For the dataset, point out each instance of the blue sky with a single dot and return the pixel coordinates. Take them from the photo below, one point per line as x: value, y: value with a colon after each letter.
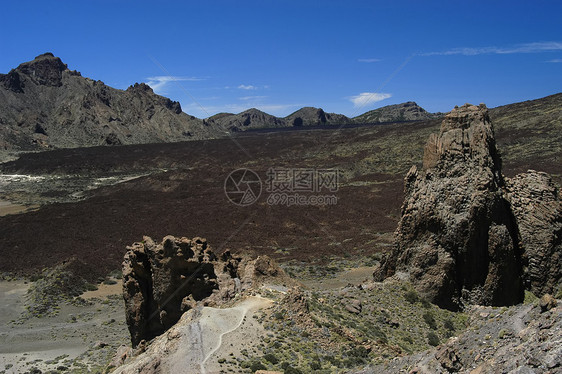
x: 346, y: 57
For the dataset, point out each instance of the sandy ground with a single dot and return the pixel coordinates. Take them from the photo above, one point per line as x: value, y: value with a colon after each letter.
x: 105, y: 290
x: 7, y: 207
x: 66, y: 340
x: 342, y: 279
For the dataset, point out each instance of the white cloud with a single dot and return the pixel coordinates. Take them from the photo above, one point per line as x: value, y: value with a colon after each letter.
x: 367, y: 98
x: 159, y: 83
x: 248, y: 98
x: 556, y: 60
x: 273, y: 109
x: 368, y: 60
x: 247, y: 87
x: 536, y: 47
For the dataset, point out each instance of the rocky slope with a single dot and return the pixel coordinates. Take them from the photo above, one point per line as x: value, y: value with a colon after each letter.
x: 459, y: 237
x: 521, y: 339
x: 256, y: 119
x: 45, y: 105
x: 530, y: 134
x: 249, y: 119
x: 309, y: 116
x: 409, y: 111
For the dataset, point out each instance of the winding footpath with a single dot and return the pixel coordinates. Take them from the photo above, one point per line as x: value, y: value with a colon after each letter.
x: 250, y: 304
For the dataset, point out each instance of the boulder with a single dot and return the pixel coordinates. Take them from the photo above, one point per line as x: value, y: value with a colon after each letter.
x: 547, y: 302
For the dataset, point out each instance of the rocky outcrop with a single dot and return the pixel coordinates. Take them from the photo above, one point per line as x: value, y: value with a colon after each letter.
x: 457, y: 237
x: 409, y: 111
x: 163, y: 280
x: 537, y: 206
x: 74, y: 111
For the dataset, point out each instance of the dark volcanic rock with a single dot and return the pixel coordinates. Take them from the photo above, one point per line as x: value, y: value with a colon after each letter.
x: 537, y: 206
x: 457, y: 237
x: 162, y: 281
x: 45, y: 70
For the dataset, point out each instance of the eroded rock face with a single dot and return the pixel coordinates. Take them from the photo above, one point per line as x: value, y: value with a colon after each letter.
x: 457, y: 237
x: 537, y: 206
x: 163, y: 280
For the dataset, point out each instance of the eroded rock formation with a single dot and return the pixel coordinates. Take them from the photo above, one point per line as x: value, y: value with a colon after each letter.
x: 469, y: 235
x: 537, y: 206
x: 457, y: 237
x: 163, y: 280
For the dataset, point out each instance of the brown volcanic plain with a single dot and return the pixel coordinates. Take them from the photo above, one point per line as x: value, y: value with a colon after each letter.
x: 182, y: 192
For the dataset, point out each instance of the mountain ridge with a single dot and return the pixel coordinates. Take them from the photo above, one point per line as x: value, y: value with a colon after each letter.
x: 45, y: 105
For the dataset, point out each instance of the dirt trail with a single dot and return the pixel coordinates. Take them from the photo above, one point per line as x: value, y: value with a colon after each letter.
x: 199, y: 339
x: 242, y: 310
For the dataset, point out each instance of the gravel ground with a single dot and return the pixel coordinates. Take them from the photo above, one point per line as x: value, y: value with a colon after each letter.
x: 80, y: 338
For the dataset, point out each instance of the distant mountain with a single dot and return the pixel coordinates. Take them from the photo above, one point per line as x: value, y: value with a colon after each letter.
x: 249, y: 119
x: 45, y: 105
x: 256, y: 119
x: 310, y: 116
x: 409, y: 111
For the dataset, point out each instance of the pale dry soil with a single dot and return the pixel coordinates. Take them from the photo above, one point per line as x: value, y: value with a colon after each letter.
x: 69, y: 341
x: 203, y: 337
x: 7, y: 207
x: 356, y: 275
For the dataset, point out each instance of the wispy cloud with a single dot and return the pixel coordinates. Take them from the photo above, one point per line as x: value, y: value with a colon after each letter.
x: 555, y: 61
x: 536, y: 47
x: 367, y: 98
x: 159, y: 83
x: 369, y: 60
x: 248, y: 98
x: 274, y: 109
x: 247, y: 87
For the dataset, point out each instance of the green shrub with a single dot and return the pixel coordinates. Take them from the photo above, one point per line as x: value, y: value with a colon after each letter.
x: 291, y: 370
x: 430, y: 320
x: 411, y: 296
x: 315, y: 365
x: 448, y: 325
x: 529, y: 298
x: 256, y: 365
x: 432, y: 339
x: 271, y: 358
x: 425, y: 303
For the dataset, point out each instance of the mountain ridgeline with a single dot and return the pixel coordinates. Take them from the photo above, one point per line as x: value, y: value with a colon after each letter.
x: 44, y: 105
